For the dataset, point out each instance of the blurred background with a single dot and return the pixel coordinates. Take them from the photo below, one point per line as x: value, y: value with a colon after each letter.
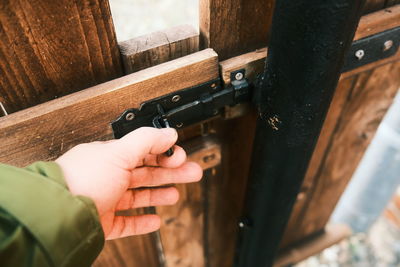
x: 371, y: 202
x: 133, y: 18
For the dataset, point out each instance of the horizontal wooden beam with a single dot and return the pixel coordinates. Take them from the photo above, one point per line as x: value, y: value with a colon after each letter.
x: 333, y: 234
x: 378, y: 21
x: 45, y: 131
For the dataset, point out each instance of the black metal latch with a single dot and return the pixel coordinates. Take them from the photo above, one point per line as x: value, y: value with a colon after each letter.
x: 198, y: 103
x: 186, y: 107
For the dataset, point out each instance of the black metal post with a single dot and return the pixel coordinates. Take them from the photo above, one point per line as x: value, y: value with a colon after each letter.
x: 306, y: 51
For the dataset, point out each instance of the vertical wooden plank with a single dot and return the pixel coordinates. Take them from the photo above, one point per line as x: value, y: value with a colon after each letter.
x: 355, y: 114
x: 137, y: 54
x: 158, y: 47
x: 183, y: 225
x: 51, y: 48
x: 232, y: 27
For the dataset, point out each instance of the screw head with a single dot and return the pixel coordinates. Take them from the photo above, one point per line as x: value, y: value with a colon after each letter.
x: 130, y: 116
x: 214, y: 86
x: 359, y: 54
x: 215, y: 111
x: 239, y: 76
x: 179, y: 125
x: 176, y: 98
x: 387, y: 45
x: 241, y: 224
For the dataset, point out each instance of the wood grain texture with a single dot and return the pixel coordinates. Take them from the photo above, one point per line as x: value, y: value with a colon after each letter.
x: 45, y: 131
x: 183, y: 227
x: 137, y: 54
x: 233, y: 27
x: 226, y: 190
x: 358, y: 107
x: 159, y: 47
x: 52, y: 48
x: 134, y: 251
x: 378, y: 22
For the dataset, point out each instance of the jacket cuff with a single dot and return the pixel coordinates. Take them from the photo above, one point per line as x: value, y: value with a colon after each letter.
x: 66, y: 226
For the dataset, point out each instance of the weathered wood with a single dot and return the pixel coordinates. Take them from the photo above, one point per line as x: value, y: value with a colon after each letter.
x: 45, y: 131
x: 332, y: 234
x: 137, y: 54
x: 252, y: 62
x: 52, y: 48
x: 318, y: 186
x: 134, y: 251
x: 355, y: 113
x: 233, y: 27
x: 369, y: 25
x: 158, y: 47
x: 182, y: 229
x: 378, y: 22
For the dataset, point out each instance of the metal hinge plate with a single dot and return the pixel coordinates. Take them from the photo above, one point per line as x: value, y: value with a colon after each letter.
x: 372, y: 48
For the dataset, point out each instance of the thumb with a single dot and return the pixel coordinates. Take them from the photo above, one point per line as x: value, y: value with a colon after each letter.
x: 143, y: 141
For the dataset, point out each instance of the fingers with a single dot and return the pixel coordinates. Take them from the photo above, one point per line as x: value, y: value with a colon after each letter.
x: 134, y: 146
x: 124, y: 226
x: 174, y: 161
x: 148, y: 197
x: 154, y: 176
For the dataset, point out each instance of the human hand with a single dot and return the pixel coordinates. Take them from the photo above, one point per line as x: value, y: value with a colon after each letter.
x: 113, y: 175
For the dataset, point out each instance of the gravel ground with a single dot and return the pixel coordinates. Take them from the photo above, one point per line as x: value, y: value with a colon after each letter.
x: 379, y: 247
x: 134, y: 18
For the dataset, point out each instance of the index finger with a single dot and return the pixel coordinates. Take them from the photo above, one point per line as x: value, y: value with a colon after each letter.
x: 135, y: 146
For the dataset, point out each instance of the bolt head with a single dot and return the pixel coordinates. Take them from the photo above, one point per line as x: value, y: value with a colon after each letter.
x: 387, y: 45
x: 130, y: 116
x: 359, y: 54
x: 239, y: 76
x: 179, y: 125
x: 176, y: 98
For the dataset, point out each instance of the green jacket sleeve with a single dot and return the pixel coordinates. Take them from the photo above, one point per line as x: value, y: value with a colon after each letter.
x: 42, y: 223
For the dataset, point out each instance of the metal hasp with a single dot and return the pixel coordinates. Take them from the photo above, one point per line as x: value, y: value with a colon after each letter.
x: 185, y: 107
x: 308, y: 44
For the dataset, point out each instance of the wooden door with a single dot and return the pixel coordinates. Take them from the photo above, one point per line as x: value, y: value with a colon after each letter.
x: 201, y: 229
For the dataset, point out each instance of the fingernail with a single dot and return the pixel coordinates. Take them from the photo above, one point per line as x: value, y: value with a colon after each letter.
x: 171, y: 132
